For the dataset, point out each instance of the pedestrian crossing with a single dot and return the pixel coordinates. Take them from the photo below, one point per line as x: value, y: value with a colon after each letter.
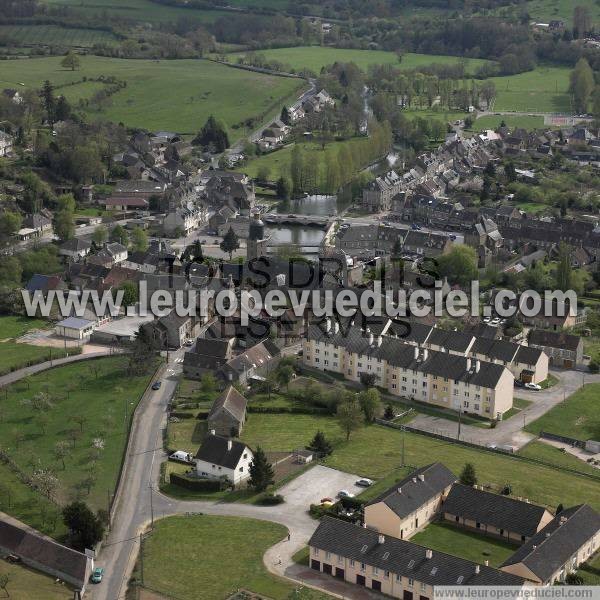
x: 178, y: 360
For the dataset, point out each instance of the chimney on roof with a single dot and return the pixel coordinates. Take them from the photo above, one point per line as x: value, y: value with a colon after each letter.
x: 421, y: 477
x: 379, y: 340
x: 428, y: 554
x: 336, y: 327
x: 468, y: 364
x: 414, y: 480
x: 399, y: 490
x: 486, y: 562
x: 425, y: 354
x: 477, y: 365
x: 371, y: 339
x: 212, y: 432
x: 477, y: 569
x: 416, y: 352
x: 381, y: 539
x: 328, y: 325
x: 229, y: 445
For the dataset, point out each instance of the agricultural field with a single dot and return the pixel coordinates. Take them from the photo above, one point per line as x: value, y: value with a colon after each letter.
x: 85, y: 407
x: 494, y: 121
x: 316, y: 57
x: 53, y: 35
x: 476, y: 547
x: 139, y: 10
x: 176, y: 95
x: 545, y: 89
x: 220, y: 572
x: 577, y: 417
x: 544, y: 11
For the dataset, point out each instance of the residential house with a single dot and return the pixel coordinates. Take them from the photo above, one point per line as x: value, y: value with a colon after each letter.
x: 182, y: 221
x: 565, y: 350
x: 571, y: 538
x: 75, y: 249
x: 172, y: 330
x: 410, y: 504
x: 395, y: 567
x: 494, y: 514
x: 207, y: 355
x: 75, y: 328
x: 41, y: 553
x: 45, y: 283
x: 222, y: 457
x: 253, y: 364
x: 40, y: 223
x: 228, y: 413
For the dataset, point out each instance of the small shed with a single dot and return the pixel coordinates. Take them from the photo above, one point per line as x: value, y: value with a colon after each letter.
x: 74, y: 328
x: 303, y: 457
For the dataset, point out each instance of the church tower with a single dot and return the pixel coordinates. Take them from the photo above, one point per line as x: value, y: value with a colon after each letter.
x: 257, y: 243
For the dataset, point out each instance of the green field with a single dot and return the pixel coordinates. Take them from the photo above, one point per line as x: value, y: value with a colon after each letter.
x: 547, y: 10
x: 168, y: 94
x: 316, y: 57
x: 577, y: 417
x: 376, y: 452
x: 103, y: 394
x: 177, y: 564
x: 53, y: 35
x: 13, y: 327
x: 545, y: 89
x: 551, y: 454
x: 448, y: 539
x: 494, y: 121
x: 27, y: 584
x: 144, y: 11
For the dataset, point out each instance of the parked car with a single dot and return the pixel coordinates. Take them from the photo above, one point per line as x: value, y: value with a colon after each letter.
x: 519, y: 383
x: 97, y: 575
x: 415, y: 227
x: 181, y: 456
x: 533, y: 386
x: 156, y: 385
x: 326, y: 501
x: 189, y: 342
x: 486, y: 320
x: 364, y: 482
x: 345, y: 494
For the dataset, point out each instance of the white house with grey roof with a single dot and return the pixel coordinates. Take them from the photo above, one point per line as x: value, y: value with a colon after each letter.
x: 75, y: 328
x: 222, y: 457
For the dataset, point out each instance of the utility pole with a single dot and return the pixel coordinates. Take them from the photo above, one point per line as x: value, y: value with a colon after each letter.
x: 141, y: 559
x: 151, y: 506
x: 459, y: 422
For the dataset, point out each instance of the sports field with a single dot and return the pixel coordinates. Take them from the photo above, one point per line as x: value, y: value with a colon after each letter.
x: 316, y: 57
x: 177, y: 95
x: 53, y: 35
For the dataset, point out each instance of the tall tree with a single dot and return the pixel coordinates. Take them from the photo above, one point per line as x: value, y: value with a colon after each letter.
x: 230, y: 243
x: 139, y: 239
x: 370, y: 403
x: 320, y: 444
x: 297, y: 169
x: 582, y: 21
x: 261, y: 471
x: 64, y: 217
x: 48, y: 101
x: 213, y: 134
x: 85, y: 528
x: 349, y: 415
x: 564, y: 271
x: 468, y: 475
x: 100, y: 235
x: 582, y: 85
x: 70, y: 61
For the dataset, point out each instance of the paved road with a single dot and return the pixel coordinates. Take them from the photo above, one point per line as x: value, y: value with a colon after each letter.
x: 510, y: 432
x: 21, y: 373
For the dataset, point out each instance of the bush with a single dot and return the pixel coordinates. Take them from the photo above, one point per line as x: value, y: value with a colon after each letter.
x: 296, y: 410
x: 181, y: 415
x: 198, y: 485
x: 594, y: 366
x: 270, y: 499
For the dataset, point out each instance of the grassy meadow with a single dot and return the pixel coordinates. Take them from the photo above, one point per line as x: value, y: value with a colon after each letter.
x: 54, y: 35
x: 235, y: 560
x: 26, y: 584
x: 316, y: 57
x: 90, y: 406
x: 175, y: 95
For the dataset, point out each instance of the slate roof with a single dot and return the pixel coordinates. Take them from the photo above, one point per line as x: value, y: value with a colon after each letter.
x: 231, y: 401
x: 411, y: 493
x: 208, y: 353
x: 44, y: 283
x: 76, y: 245
x: 554, y: 339
x: 555, y: 544
x: 403, y: 557
x: 495, y: 349
x: 493, y: 509
x: 450, y: 340
x: 215, y: 450
x: 528, y: 355
x: 75, y: 323
x: 29, y: 546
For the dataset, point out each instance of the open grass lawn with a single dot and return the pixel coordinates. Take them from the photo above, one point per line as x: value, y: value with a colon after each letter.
x: 176, y: 561
x: 551, y: 454
x: 545, y: 89
x: 144, y: 11
x: 175, y: 95
x: 104, y: 395
x: 316, y: 57
x: 13, y: 327
x: 376, y: 452
x: 27, y: 584
x: 548, y: 10
x: 493, y: 122
x: 466, y: 544
x: 591, y: 571
x: 577, y: 417
x: 15, y: 356
x: 53, y: 35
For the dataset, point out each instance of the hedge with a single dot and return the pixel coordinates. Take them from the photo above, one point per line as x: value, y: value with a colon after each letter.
x: 198, y: 485
x: 295, y: 410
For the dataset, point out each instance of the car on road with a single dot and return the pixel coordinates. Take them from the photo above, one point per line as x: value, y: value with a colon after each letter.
x: 345, y: 494
x: 495, y: 322
x: 97, y: 575
x: 364, y: 482
x: 519, y: 383
x: 156, y: 385
x: 533, y: 386
x: 189, y: 342
x: 486, y: 320
x: 327, y: 500
x: 415, y: 227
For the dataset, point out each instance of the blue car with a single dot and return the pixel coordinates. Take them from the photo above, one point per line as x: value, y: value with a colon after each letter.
x: 97, y: 575
x: 156, y: 385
